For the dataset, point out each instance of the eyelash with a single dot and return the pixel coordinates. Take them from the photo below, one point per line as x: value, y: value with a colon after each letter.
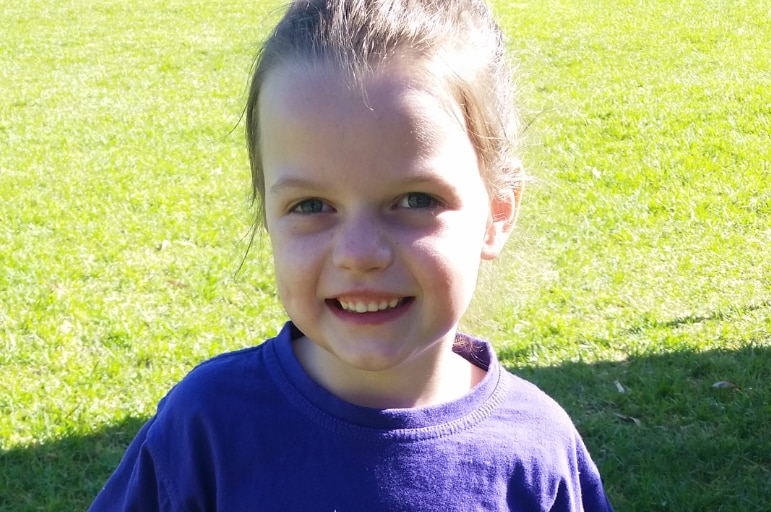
x: 434, y: 203
x: 298, y: 208
x: 314, y: 205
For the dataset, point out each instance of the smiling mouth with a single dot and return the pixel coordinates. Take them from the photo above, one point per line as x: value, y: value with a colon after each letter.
x: 372, y: 306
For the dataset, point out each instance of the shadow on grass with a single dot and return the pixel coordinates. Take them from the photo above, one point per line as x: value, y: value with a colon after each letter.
x: 665, y: 439
x: 63, y: 475
x: 681, y: 431
x: 650, y: 322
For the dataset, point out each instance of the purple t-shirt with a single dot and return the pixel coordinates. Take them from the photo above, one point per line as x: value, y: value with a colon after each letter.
x: 250, y: 430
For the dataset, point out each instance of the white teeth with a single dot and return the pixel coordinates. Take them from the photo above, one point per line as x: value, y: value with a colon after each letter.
x: 369, y: 307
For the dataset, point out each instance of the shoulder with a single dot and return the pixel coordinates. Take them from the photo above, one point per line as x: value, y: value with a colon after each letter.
x: 170, y: 456
x: 531, y: 398
x: 226, y: 388
x: 516, y: 399
x: 521, y: 408
x: 545, y: 440
x: 220, y: 387
x: 225, y: 369
x: 529, y: 405
x: 531, y: 426
x: 199, y: 424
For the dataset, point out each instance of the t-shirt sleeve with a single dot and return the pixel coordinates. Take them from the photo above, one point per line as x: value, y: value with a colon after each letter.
x: 592, y: 492
x: 588, y: 490
x: 134, y: 486
x: 561, y: 474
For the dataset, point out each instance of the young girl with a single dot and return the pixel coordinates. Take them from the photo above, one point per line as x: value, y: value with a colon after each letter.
x: 380, y: 135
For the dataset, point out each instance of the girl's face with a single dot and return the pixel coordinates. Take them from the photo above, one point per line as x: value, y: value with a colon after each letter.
x: 377, y: 215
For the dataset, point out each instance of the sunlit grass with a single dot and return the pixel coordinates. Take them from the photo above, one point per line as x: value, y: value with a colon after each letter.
x: 124, y: 212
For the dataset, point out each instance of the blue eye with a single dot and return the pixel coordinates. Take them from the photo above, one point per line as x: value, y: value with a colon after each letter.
x: 309, y: 206
x: 417, y: 200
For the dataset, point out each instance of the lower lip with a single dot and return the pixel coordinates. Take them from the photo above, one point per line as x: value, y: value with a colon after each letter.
x: 370, y: 317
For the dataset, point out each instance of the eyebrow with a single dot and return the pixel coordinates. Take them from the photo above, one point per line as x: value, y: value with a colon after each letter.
x: 293, y: 183
x: 296, y: 183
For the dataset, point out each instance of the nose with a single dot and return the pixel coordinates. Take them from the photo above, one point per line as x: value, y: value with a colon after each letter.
x: 361, y: 244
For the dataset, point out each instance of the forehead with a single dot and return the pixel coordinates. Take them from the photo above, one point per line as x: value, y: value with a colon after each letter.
x: 396, y: 89
x: 393, y: 129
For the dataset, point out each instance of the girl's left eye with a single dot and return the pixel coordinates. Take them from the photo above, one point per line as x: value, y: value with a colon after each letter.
x: 417, y: 200
x: 309, y: 206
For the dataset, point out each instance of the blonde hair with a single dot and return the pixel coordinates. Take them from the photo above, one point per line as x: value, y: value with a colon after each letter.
x: 359, y: 36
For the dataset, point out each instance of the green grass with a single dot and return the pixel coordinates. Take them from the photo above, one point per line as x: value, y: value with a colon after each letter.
x: 641, y: 263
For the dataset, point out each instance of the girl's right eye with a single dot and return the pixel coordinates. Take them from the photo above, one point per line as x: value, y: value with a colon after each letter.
x: 417, y: 200
x: 309, y: 206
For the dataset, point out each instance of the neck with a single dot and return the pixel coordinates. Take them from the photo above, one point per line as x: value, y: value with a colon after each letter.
x: 438, y: 375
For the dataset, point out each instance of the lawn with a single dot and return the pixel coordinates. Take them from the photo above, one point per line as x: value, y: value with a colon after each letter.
x: 636, y: 290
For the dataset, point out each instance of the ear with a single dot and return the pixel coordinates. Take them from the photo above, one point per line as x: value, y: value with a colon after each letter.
x: 503, y: 216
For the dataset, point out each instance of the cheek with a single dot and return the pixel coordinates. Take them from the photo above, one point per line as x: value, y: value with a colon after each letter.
x: 283, y: 275
x: 451, y: 261
x: 463, y: 235
x: 296, y: 261
x: 461, y: 250
x: 286, y: 265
